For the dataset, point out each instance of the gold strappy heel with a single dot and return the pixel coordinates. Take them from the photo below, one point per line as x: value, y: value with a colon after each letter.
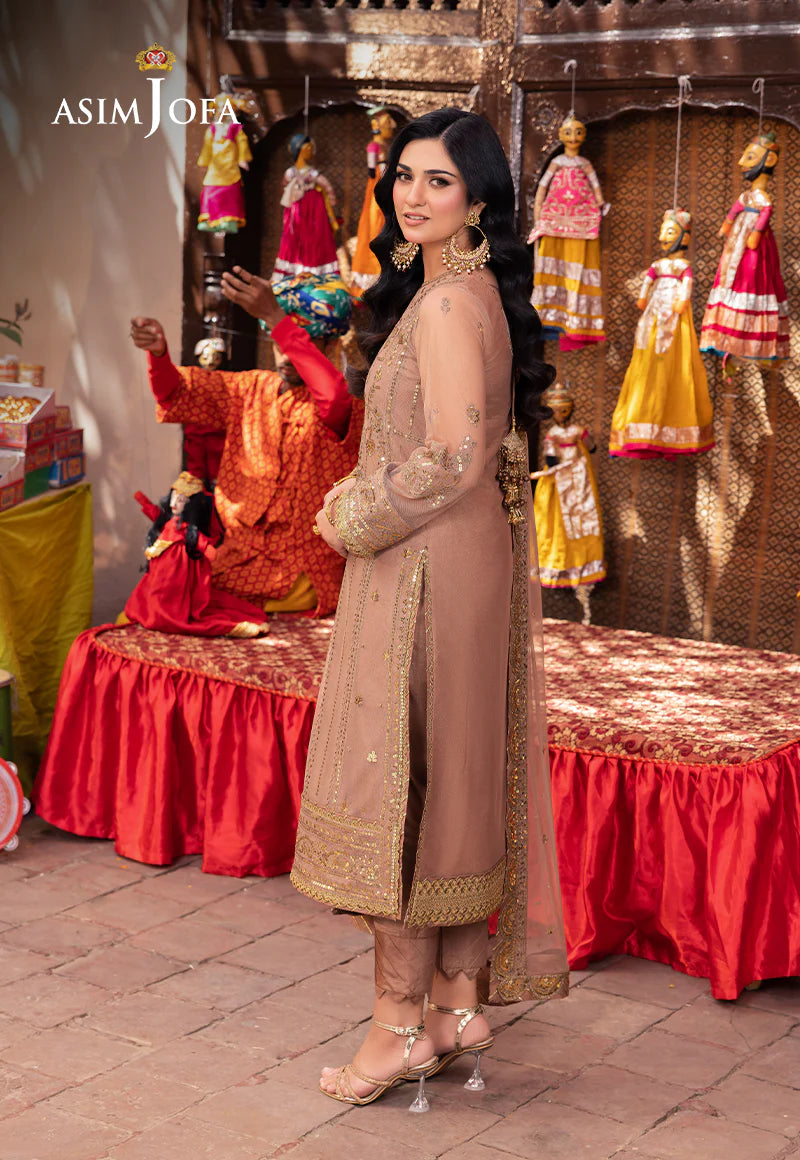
x: 475, y: 1083
x: 419, y: 1072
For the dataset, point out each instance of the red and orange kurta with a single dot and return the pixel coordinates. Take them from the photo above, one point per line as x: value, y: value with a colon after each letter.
x: 281, y: 455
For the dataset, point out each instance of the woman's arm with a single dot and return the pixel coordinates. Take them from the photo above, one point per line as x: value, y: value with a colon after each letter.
x: 384, y: 508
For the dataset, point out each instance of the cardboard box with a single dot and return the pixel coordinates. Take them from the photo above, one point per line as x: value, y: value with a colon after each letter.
x: 66, y: 471
x: 42, y: 423
x: 37, y: 481
x: 38, y: 455
x: 67, y: 443
x: 63, y: 418
x: 12, y: 479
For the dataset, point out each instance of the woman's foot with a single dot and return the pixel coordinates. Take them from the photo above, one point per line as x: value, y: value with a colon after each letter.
x: 441, y: 1028
x: 380, y: 1056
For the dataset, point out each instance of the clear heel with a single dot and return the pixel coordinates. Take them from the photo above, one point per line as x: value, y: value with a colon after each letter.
x: 420, y: 1103
x: 475, y: 1082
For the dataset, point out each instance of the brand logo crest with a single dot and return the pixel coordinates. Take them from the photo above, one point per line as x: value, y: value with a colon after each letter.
x: 156, y: 56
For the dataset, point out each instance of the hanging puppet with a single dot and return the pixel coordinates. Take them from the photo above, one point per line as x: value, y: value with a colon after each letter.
x: 747, y: 314
x: 567, y: 212
x: 664, y: 408
x: 308, y: 243
x: 366, y: 267
x: 569, y: 528
x: 175, y: 593
x: 225, y: 153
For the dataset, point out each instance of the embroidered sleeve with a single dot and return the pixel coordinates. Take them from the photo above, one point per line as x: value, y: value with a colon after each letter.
x: 685, y: 285
x: 399, y: 498
x: 649, y: 279
x: 735, y: 210
x: 549, y: 174
x: 243, y: 147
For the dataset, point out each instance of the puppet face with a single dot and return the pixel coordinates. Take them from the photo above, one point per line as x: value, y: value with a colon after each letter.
x: 306, y: 154
x: 752, y: 158
x: 383, y: 125
x: 430, y: 196
x: 209, y: 356
x: 177, y: 502
x: 669, y: 235
x: 562, y: 411
x: 572, y: 133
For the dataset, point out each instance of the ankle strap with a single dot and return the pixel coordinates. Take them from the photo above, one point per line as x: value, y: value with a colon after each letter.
x: 467, y: 1014
x: 412, y: 1033
x: 477, y: 1010
x: 418, y: 1032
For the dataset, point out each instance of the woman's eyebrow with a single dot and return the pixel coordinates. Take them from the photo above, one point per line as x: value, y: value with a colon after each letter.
x: 427, y: 172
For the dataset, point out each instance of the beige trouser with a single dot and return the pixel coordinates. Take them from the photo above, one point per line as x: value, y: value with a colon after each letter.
x: 407, y: 957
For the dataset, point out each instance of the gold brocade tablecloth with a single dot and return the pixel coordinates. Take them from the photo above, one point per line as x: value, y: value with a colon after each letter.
x: 46, y: 588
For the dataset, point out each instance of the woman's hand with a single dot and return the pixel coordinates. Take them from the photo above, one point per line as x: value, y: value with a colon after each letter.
x: 326, y: 528
x: 148, y: 334
x: 253, y: 294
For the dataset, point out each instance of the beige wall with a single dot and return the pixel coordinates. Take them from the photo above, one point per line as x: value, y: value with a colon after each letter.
x: 91, y: 232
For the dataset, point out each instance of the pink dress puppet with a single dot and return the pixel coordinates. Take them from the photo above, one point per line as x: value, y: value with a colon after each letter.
x: 747, y: 314
x: 175, y: 593
x: 225, y: 153
x: 308, y: 243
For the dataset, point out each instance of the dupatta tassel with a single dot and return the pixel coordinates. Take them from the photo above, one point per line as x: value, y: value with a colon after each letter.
x: 512, y: 473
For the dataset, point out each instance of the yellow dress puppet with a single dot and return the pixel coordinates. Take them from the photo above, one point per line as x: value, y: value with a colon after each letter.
x: 664, y: 408
x: 566, y: 507
x: 225, y: 153
x: 567, y: 290
x: 366, y: 267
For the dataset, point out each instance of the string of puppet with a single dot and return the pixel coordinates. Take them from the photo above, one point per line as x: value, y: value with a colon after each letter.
x: 758, y: 87
x: 684, y: 89
x: 571, y: 66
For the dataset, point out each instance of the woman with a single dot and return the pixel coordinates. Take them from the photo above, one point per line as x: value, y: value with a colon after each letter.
x: 414, y: 812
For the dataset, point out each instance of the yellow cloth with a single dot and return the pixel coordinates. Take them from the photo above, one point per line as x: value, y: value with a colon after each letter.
x: 567, y: 292
x: 565, y: 562
x: 223, y: 157
x: 664, y: 404
x: 366, y: 267
x: 301, y: 597
x: 46, y: 588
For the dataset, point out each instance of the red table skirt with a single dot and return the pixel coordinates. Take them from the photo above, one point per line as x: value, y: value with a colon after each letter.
x: 169, y: 762
x: 176, y: 746
x: 696, y: 866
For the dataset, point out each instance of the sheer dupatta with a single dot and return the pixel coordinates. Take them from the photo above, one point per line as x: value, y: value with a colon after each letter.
x: 528, y: 958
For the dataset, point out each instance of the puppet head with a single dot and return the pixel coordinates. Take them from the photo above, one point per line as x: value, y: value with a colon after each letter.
x: 301, y: 149
x: 209, y: 352
x: 572, y: 134
x: 676, y: 229
x: 561, y: 402
x: 381, y: 122
x: 760, y: 156
x: 184, y: 487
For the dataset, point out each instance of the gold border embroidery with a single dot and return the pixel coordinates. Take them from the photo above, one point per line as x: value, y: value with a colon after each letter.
x: 455, y: 901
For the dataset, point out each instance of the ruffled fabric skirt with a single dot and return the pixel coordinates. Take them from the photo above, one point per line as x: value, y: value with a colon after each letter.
x: 664, y: 408
x: 750, y: 319
x: 567, y: 290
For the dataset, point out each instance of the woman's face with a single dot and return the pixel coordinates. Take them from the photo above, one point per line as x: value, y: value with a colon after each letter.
x: 430, y: 197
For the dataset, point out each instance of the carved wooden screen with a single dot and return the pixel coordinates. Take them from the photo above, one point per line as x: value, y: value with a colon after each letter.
x: 707, y: 546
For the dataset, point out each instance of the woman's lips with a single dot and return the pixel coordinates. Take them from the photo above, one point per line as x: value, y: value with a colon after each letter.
x: 414, y: 219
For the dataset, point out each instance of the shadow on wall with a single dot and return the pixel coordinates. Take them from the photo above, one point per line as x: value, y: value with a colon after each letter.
x: 91, y: 233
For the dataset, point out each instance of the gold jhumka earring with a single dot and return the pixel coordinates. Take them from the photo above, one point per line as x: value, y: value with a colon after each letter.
x: 465, y: 261
x: 403, y: 254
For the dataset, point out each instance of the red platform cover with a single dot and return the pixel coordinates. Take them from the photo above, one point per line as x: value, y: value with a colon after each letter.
x: 675, y: 766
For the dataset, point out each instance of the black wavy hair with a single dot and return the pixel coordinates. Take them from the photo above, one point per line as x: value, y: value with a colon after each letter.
x: 196, y: 515
x: 478, y: 155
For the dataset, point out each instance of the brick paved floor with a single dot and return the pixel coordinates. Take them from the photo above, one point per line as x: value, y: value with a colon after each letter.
x: 166, y: 1014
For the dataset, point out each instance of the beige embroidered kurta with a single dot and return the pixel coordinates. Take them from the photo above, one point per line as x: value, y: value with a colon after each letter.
x: 428, y: 537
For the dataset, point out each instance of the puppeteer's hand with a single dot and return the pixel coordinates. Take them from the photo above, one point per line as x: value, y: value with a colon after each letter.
x: 148, y: 334
x: 253, y: 294
x: 753, y: 239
